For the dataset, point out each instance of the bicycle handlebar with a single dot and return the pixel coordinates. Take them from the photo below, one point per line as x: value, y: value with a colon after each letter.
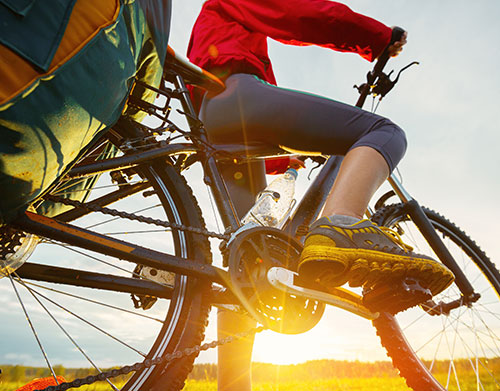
x: 371, y: 77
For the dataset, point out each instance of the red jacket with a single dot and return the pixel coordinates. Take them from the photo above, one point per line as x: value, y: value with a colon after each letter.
x: 229, y: 36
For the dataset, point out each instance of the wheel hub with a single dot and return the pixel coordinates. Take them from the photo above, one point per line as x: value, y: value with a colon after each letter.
x: 250, y: 256
x: 15, y: 248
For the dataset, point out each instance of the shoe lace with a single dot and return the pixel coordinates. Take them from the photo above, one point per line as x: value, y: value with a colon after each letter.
x: 396, y: 238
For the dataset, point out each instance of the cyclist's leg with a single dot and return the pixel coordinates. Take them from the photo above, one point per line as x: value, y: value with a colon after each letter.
x: 252, y: 110
x: 361, y: 173
x: 373, y: 145
x: 336, y: 247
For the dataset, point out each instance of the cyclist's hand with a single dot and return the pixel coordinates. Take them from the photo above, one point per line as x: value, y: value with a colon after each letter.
x: 397, y: 46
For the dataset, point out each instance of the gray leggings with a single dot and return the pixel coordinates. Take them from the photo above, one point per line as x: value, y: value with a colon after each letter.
x: 253, y: 110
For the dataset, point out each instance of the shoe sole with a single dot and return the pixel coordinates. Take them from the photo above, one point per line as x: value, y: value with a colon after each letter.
x: 335, y: 266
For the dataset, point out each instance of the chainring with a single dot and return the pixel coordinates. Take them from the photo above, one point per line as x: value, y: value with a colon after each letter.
x: 250, y: 255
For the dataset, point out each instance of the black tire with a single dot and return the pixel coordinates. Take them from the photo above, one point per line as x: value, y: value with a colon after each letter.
x: 446, y: 352
x: 179, y: 321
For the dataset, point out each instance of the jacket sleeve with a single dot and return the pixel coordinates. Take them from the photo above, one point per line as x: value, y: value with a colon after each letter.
x: 312, y: 22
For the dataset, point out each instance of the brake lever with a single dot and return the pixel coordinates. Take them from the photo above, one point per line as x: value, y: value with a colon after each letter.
x: 384, y: 83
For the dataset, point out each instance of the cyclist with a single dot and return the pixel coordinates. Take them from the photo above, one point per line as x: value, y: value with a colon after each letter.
x: 229, y: 39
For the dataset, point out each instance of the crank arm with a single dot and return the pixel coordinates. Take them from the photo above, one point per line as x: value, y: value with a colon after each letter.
x: 284, y: 280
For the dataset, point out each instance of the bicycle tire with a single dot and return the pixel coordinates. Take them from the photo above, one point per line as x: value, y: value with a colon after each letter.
x: 445, y: 352
x: 190, y: 328
x: 186, y: 314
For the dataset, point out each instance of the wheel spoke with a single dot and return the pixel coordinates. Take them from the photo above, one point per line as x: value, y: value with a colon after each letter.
x: 35, y: 293
x: 67, y: 185
x: 94, y: 301
x: 133, y: 273
x: 424, y: 314
x: 97, y: 188
x: 437, y: 334
x: 487, y: 312
x: 32, y: 327
x: 451, y: 352
x: 63, y: 329
x: 441, y: 334
x: 475, y: 354
x: 491, y: 333
x: 136, y: 232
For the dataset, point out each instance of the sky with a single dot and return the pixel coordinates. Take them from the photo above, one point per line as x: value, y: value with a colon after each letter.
x: 448, y: 108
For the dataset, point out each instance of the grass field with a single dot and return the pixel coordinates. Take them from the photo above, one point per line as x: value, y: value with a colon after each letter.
x: 315, y: 385
x: 318, y: 385
x: 341, y: 384
x: 318, y: 375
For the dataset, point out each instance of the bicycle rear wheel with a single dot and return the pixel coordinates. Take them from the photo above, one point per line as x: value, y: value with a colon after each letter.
x: 73, y: 326
x: 439, y: 349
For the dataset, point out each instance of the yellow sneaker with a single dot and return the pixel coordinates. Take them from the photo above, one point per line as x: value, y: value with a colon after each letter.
x: 364, y: 254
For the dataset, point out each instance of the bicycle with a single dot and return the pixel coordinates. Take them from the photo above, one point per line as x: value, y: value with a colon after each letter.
x: 173, y: 278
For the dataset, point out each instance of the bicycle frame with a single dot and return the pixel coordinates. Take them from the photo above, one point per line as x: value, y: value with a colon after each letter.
x: 306, y: 212
x: 314, y: 200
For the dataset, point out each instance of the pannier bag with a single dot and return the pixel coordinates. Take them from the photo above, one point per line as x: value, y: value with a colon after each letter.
x: 67, y: 67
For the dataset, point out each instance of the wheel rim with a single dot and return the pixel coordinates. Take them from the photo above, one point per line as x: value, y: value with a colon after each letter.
x: 162, y: 342
x: 461, y: 349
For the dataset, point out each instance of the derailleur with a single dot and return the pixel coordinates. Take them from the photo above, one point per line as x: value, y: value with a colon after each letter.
x: 162, y: 277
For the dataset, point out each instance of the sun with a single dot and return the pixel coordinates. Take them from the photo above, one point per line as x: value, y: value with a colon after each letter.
x: 338, y: 336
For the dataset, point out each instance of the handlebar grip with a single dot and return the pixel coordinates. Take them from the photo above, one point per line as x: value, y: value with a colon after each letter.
x: 397, y: 34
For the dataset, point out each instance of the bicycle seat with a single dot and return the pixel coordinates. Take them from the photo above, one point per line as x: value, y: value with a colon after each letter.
x: 191, y: 73
x: 251, y: 150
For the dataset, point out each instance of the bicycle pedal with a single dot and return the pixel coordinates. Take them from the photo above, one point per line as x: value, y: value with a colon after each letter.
x: 396, y: 296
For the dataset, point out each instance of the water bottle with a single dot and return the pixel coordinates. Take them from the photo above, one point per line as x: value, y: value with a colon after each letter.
x: 274, y: 202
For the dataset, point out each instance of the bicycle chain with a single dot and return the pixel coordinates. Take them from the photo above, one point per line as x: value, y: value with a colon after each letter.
x: 131, y: 216
x: 170, y: 356
x: 167, y: 358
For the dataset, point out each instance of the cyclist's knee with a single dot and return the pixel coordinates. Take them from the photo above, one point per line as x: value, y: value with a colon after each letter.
x: 399, y: 138
x: 389, y: 139
x: 396, y: 144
